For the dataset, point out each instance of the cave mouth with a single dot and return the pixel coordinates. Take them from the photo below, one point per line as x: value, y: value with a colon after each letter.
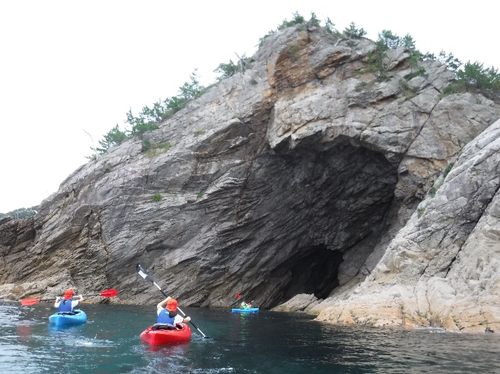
x: 316, y: 272
x: 328, y: 205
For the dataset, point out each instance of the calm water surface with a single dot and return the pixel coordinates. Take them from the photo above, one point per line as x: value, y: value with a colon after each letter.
x: 268, y: 342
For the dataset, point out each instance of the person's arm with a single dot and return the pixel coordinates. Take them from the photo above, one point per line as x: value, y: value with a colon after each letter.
x: 161, y: 305
x: 74, y: 303
x: 178, y: 319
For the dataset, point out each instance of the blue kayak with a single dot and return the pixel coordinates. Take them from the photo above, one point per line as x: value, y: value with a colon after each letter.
x: 68, y: 318
x: 247, y: 310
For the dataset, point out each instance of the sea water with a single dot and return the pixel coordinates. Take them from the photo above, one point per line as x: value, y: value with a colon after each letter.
x: 267, y: 342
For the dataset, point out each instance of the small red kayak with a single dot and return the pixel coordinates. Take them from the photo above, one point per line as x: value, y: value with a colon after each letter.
x: 157, y: 336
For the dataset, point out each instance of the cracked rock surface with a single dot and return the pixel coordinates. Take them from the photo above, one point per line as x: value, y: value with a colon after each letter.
x: 303, y: 183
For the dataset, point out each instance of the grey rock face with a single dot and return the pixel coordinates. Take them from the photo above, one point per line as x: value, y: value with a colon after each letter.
x: 295, y: 177
x: 441, y: 268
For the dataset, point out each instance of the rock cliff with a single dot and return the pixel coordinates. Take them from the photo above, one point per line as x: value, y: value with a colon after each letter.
x: 306, y: 176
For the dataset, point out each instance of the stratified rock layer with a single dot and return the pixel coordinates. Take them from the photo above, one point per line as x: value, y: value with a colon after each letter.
x: 303, y: 175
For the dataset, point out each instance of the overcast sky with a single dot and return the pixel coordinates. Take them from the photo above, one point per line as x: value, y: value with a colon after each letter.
x: 71, y: 70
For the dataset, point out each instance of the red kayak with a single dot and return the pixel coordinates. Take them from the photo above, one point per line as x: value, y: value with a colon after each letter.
x: 157, y: 336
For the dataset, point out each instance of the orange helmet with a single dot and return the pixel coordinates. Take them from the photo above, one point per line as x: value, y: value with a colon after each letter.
x: 172, y: 305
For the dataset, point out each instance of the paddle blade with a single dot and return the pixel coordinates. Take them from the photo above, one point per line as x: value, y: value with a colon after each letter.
x: 143, y: 273
x: 109, y: 293
x: 30, y: 301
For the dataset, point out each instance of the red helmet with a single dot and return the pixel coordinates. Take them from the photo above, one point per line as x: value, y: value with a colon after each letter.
x: 68, y: 294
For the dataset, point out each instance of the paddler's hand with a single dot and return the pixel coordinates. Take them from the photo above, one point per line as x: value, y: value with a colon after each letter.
x: 187, y: 319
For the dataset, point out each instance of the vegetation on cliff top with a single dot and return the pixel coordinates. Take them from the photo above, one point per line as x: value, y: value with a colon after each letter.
x: 21, y: 212
x: 473, y: 77
x: 149, y: 117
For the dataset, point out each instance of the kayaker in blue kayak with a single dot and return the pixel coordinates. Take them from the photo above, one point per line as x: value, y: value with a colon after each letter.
x: 245, y: 305
x: 67, y: 304
x: 167, y: 313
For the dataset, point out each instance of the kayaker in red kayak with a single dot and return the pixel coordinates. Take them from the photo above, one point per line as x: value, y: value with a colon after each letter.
x: 67, y: 305
x: 167, y: 313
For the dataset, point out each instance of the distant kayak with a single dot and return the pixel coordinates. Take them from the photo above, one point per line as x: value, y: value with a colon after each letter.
x: 247, y: 310
x: 171, y: 335
x: 68, y: 318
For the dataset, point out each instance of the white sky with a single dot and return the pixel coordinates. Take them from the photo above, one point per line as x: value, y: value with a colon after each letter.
x: 68, y: 67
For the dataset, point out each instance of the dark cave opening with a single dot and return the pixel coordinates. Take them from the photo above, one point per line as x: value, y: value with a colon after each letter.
x: 315, y: 273
x: 327, y: 203
x: 319, y: 209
